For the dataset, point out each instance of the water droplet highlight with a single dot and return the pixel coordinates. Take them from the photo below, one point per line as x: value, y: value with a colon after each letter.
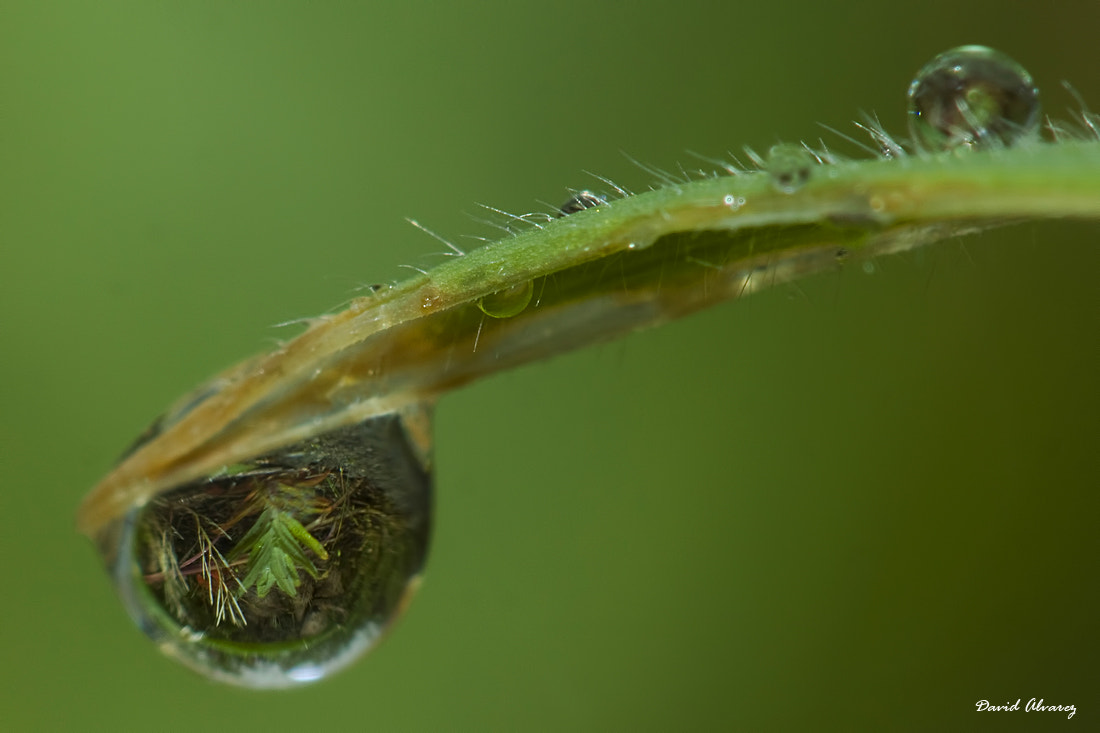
x: 789, y: 166
x: 973, y: 97
x: 579, y: 202
x: 508, y: 302
x: 286, y: 568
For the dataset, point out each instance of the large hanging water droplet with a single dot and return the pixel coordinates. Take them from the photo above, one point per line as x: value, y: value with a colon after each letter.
x: 285, y: 568
x: 972, y: 96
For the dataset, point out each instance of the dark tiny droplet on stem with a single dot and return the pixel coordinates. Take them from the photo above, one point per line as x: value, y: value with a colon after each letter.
x: 579, y: 202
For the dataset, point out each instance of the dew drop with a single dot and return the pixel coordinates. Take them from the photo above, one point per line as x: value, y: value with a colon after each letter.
x: 579, y: 202
x: 789, y: 166
x: 973, y: 97
x: 508, y: 302
x: 288, y: 567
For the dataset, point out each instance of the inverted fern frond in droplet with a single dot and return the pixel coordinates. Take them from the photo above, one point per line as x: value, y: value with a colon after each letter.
x: 276, y: 547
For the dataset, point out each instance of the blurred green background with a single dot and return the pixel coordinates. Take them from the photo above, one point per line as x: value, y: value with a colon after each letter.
x: 864, y: 502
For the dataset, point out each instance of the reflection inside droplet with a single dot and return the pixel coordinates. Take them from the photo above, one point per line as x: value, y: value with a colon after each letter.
x: 789, y: 166
x: 972, y: 96
x: 284, y: 569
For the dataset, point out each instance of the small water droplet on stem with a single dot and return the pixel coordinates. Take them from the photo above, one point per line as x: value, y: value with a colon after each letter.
x: 789, y: 166
x: 580, y: 201
x: 972, y: 97
x: 507, y: 302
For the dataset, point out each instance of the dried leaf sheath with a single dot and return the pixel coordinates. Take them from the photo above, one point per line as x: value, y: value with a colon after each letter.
x: 597, y: 273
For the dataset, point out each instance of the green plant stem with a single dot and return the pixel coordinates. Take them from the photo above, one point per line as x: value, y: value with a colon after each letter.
x: 596, y: 274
